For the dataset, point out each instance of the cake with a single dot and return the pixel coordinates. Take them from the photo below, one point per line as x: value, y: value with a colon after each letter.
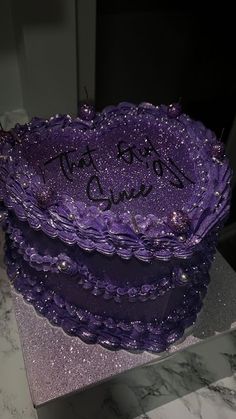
x: 112, y: 219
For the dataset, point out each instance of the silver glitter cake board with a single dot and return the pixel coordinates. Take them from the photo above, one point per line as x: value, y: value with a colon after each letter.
x: 58, y: 365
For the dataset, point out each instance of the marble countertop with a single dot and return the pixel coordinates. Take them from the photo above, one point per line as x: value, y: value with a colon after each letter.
x: 15, y: 401
x: 197, y: 383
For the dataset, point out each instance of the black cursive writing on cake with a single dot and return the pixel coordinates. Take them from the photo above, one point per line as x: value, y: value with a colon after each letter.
x: 130, y: 154
x: 68, y: 166
x: 96, y: 193
x: 72, y: 161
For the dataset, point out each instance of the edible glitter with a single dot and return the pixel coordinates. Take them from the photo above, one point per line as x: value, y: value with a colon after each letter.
x: 145, y: 162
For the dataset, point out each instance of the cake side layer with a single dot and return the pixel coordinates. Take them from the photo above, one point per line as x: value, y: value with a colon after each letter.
x: 112, y: 333
x: 109, y: 277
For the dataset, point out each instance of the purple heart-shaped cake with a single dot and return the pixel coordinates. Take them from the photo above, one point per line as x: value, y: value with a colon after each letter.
x: 112, y: 220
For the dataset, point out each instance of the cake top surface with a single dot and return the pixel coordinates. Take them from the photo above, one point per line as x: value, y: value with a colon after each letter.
x: 134, y: 180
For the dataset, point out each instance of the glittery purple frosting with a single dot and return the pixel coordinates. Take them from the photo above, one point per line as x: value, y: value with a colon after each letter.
x: 169, y: 157
x: 110, y: 277
x: 115, y: 331
x: 135, y: 197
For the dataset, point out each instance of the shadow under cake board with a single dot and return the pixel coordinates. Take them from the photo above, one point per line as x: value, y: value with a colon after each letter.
x: 58, y: 365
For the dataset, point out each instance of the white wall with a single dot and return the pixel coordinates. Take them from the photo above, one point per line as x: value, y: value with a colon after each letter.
x: 38, y: 57
x: 10, y: 85
x: 46, y: 44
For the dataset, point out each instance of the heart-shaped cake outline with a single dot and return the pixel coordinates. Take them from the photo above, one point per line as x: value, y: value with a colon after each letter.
x: 103, y: 231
